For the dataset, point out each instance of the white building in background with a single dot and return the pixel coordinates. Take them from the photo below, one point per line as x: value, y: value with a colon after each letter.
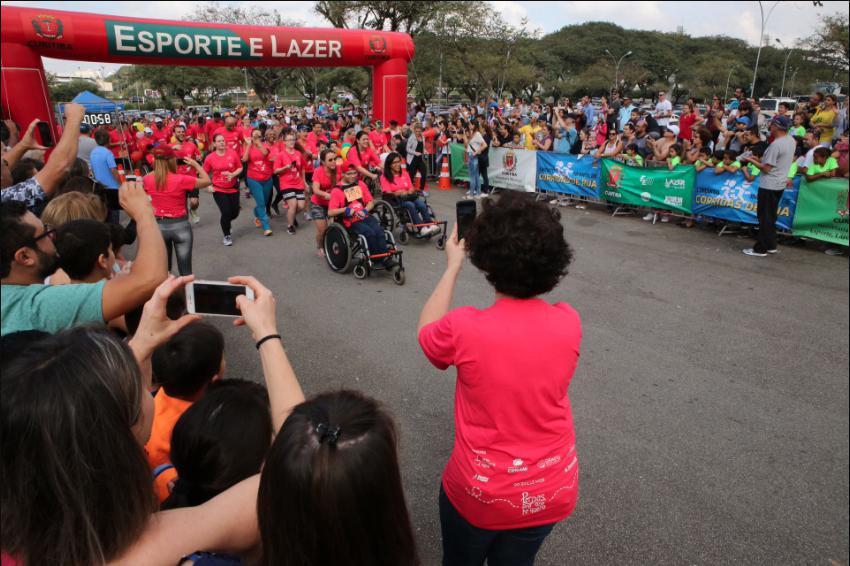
x: 94, y: 77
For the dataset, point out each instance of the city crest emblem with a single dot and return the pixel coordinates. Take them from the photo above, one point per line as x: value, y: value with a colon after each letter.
x: 47, y: 27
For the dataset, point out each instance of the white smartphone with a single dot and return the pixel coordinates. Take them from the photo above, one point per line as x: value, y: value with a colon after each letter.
x: 215, y: 298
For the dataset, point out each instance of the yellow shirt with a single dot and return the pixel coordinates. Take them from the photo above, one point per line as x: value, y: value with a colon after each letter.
x: 529, y: 132
x: 824, y: 119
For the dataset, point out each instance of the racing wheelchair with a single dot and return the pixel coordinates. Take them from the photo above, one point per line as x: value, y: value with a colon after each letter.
x: 391, y: 215
x: 347, y: 251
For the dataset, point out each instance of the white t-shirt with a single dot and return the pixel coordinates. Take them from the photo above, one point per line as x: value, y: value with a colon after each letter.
x: 663, y: 107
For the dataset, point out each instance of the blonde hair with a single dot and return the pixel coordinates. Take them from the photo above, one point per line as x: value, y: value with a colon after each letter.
x: 73, y: 206
x: 161, y: 170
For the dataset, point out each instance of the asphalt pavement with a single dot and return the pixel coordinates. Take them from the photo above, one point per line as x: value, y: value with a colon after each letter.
x: 710, y: 401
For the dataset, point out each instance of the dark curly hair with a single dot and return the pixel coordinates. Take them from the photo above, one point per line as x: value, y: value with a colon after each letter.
x: 519, y: 245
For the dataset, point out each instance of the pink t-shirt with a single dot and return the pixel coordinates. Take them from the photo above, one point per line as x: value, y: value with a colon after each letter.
x: 218, y: 165
x: 170, y: 202
x: 514, y: 462
x: 232, y: 138
x: 259, y: 167
x: 291, y: 177
x: 325, y: 184
x: 400, y: 183
x: 364, y: 159
x: 355, y: 197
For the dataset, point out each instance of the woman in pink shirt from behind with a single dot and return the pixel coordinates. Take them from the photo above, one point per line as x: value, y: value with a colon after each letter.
x: 168, y: 190
x: 513, y: 471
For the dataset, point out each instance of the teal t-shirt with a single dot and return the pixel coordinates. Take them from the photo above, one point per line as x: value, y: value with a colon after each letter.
x: 49, y: 308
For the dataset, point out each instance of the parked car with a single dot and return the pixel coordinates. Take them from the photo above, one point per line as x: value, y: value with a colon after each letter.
x: 769, y: 106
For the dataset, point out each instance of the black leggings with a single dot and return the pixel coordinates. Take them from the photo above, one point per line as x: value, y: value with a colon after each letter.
x: 418, y: 164
x: 228, y: 204
x: 278, y: 195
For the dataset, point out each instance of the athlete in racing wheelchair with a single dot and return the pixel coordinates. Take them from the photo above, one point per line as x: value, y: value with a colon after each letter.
x: 410, y: 210
x: 356, y: 237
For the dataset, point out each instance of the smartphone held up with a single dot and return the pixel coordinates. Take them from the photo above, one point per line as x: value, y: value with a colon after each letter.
x: 215, y: 298
x: 466, y: 210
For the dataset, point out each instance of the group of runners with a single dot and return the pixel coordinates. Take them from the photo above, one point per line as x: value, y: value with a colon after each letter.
x: 303, y: 165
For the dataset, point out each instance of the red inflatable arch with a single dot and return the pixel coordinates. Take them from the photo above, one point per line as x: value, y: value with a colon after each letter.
x: 28, y: 34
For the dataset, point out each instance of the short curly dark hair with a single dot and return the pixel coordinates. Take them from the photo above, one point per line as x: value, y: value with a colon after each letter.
x: 519, y: 244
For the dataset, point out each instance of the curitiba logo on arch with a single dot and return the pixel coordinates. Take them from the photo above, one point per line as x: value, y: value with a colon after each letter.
x: 132, y: 38
x: 47, y: 27
x: 615, y: 177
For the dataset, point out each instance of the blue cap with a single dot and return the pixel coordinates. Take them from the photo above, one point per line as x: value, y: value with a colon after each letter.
x: 743, y: 120
x: 781, y: 122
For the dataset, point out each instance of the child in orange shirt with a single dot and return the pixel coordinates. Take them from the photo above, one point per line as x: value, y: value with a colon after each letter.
x: 183, y: 367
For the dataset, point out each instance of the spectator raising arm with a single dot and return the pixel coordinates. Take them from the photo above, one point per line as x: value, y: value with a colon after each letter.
x: 65, y: 153
x: 123, y: 294
x: 26, y: 143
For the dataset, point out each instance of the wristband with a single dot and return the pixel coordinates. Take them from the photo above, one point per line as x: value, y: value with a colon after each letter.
x: 347, y: 212
x: 261, y: 341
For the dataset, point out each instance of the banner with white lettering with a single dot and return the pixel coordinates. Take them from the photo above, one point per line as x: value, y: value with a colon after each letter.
x: 729, y: 196
x: 513, y: 169
x: 565, y: 173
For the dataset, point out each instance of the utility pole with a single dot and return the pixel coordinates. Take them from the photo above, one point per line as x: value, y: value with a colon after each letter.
x: 761, y: 43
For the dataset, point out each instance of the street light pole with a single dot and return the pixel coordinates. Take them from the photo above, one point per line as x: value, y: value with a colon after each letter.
x: 784, y: 68
x: 761, y: 42
x: 245, y: 72
x: 728, y: 77
x: 617, y: 63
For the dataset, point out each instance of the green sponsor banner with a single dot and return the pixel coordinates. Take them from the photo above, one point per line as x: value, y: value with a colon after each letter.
x: 460, y: 170
x: 133, y: 38
x: 638, y: 186
x: 822, y: 211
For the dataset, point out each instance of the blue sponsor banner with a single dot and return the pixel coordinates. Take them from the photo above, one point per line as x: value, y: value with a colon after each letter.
x: 565, y: 173
x: 729, y: 196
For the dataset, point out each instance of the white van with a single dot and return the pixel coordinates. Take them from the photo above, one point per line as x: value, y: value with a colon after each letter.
x: 769, y: 106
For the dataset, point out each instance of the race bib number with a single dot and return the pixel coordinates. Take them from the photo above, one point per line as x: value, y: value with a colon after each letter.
x: 352, y: 194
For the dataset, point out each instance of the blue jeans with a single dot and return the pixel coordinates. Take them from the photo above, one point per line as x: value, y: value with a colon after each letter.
x: 474, y: 179
x: 466, y: 545
x: 375, y: 237
x: 262, y: 193
x: 417, y: 209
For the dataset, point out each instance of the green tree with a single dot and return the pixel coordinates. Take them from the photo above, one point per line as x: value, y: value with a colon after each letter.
x: 266, y: 81
x: 65, y: 92
x: 830, y: 44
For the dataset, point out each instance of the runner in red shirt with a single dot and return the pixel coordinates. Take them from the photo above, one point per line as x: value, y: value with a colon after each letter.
x: 210, y: 126
x: 313, y: 138
x: 379, y: 139
x: 225, y: 166
x: 230, y: 132
x: 275, y: 147
x: 185, y: 150
x: 364, y: 158
x: 168, y: 190
x: 325, y: 178
x: 259, y: 177
x: 290, y: 166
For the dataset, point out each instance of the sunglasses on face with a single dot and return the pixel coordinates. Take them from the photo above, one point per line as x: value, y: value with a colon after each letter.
x: 49, y: 232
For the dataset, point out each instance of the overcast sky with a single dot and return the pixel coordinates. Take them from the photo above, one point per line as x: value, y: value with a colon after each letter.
x: 789, y: 22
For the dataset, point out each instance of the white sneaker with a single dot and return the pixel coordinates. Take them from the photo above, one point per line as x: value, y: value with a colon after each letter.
x: 834, y: 252
x: 467, y: 194
x: 752, y: 252
x: 227, y: 241
x: 649, y: 217
x: 773, y: 251
x: 665, y: 219
x: 307, y: 217
x: 555, y: 201
x: 432, y: 229
x: 194, y: 216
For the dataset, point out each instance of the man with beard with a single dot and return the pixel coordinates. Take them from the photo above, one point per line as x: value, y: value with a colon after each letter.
x: 28, y: 256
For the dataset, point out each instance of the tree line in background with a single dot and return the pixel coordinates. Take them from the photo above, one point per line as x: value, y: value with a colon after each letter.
x: 468, y: 50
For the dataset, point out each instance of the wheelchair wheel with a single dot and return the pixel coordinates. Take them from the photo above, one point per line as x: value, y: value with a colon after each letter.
x: 403, y: 236
x: 398, y: 276
x: 337, y: 246
x: 385, y: 215
x: 441, y: 242
x: 431, y: 212
x: 361, y: 271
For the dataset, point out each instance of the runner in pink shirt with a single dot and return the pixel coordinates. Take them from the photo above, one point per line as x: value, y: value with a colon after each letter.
x: 513, y: 472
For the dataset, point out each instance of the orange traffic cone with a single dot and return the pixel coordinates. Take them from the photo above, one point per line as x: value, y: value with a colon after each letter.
x: 445, y: 179
x: 417, y: 178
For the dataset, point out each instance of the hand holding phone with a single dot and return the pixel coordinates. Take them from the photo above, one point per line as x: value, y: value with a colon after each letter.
x: 465, y: 210
x: 45, y: 134
x: 215, y: 298
x: 259, y: 314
